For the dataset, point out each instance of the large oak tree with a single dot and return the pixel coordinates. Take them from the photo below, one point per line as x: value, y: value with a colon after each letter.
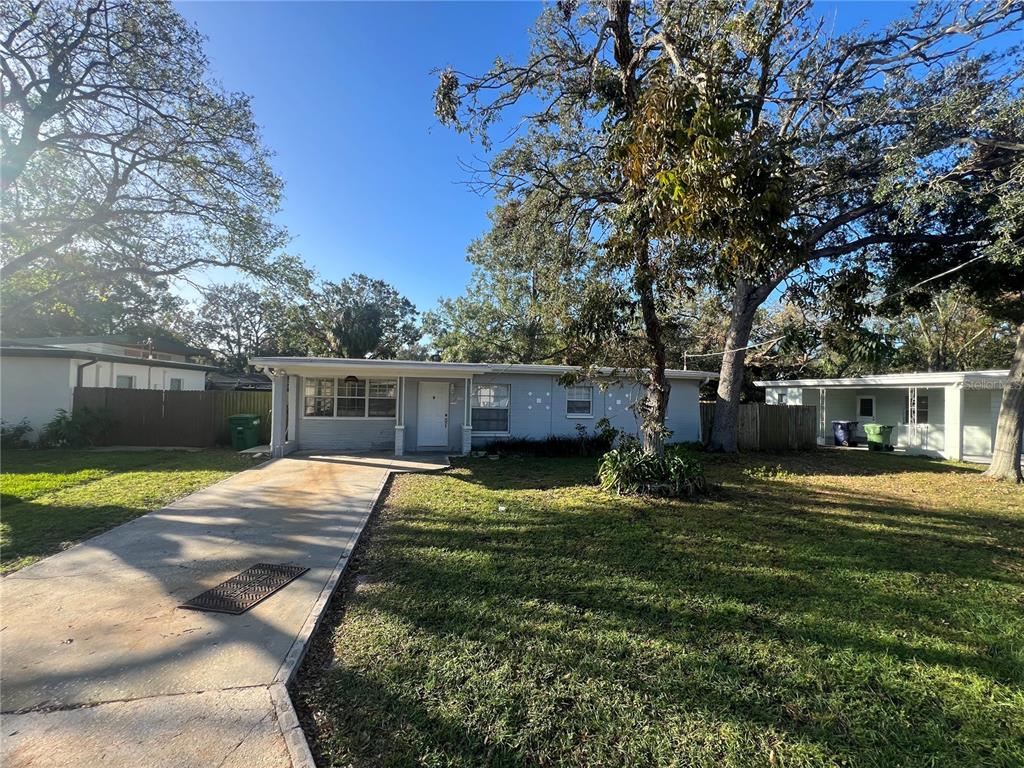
x: 751, y: 142
x: 122, y: 160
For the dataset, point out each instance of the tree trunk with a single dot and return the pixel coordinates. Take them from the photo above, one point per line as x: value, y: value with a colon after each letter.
x: 746, y: 299
x: 1006, y: 453
x: 655, y: 404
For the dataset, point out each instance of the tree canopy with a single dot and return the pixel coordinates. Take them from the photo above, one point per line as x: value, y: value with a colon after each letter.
x: 123, y: 161
x: 748, y: 146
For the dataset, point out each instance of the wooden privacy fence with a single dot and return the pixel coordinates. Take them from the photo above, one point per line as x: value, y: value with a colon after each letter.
x: 762, y: 427
x: 163, y: 418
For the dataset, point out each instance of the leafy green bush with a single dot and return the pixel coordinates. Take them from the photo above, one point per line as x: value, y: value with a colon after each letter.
x: 584, y: 443
x: 84, y: 427
x: 13, y: 435
x: 630, y: 471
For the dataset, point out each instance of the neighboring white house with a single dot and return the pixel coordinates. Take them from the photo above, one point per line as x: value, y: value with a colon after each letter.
x: 952, y: 415
x: 38, y: 376
x: 345, y: 404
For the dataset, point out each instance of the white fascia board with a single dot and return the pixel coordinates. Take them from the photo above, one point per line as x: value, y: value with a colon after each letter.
x: 337, y: 366
x: 351, y: 366
x: 941, y: 378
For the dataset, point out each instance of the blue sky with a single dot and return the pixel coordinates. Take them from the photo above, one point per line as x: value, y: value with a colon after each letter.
x: 343, y: 92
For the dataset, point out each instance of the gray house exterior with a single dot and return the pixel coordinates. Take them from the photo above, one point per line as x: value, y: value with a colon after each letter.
x: 943, y: 414
x: 339, y: 404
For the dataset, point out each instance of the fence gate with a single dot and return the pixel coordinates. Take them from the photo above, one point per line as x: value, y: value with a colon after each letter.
x: 157, y: 418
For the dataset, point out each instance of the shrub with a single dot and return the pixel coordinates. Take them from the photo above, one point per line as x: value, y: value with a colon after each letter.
x: 630, y: 471
x: 584, y: 443
x: 84, y: 427
x: 13, y: 435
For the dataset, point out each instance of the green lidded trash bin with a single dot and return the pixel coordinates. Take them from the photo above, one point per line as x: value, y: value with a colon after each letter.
x: 245, y: 430
x: 879, y: 436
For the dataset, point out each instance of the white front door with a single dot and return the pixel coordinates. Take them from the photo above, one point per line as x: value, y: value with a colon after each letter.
x: 432, y: 415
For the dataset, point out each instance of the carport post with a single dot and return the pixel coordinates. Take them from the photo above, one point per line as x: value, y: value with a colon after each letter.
x: 278, y: 412
x: 953, y: 422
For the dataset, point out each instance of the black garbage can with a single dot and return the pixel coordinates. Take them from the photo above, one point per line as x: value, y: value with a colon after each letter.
x: 843, y: 433
x: 245, y: 430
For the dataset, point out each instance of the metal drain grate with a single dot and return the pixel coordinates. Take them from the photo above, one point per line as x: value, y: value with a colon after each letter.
x: 240, y: 593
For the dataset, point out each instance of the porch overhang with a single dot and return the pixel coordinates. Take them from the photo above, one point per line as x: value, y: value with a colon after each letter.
x: 987, y: 379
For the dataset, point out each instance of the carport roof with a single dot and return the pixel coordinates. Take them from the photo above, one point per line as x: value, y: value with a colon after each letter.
x: 933, y: 379
x: 428, y: 367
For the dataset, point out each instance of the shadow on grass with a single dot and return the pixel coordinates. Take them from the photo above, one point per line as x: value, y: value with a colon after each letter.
x: 810, y: 623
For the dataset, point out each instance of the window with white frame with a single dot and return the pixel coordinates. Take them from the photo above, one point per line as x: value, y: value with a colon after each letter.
x: 174, y: 385
x: 350, y: 397
x: 780, y: 398
x: 318, y: 397
x: 490, y: 406
x: 382, y: 398
x: 579, y: 401
x: 124, y: 382
x: 866, y: 408
x: 922, y: 409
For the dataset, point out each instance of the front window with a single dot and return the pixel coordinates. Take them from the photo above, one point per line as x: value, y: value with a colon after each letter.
x: 125, y: 382
x: 780, y: 399
x: 319, y: 397
x: 490, y: 406
x: 383, y: 398
x: 922, y: 409
x: 579, y: 401
x: 350, y: 398
x: 174, y: 385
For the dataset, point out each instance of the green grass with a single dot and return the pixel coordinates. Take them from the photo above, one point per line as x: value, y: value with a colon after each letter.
x: 826, y: 609
x: 52, y: 499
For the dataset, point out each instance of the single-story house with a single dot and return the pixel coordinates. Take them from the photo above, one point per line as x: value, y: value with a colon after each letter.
x: 338, y: 404
x: 949, y: 415
x: 39, y: 376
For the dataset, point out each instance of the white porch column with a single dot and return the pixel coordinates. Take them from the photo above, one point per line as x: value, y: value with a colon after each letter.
x: 294, y: 400
x: 953, y: 408
x: 467, y: 420
x: 278, y: 413
x: 400, y: 418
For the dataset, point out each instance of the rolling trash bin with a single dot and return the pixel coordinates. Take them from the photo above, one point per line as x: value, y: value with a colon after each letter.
x: 843, y: 433
x: 245, y: 430
x: 879, y: 436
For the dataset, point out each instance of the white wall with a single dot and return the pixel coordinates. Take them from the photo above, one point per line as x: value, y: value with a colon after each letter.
x: 104, y: 374
x: 34, y: 388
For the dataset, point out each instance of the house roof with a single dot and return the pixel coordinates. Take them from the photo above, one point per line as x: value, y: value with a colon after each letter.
x: 157, y: 343
x: 934, y: 379
x: 419, y: 367
x: 240, y: 381
x: 10, y: 349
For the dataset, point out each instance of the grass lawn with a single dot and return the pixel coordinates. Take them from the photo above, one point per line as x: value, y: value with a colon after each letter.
x: 52, y: 499
x: 852, y: 609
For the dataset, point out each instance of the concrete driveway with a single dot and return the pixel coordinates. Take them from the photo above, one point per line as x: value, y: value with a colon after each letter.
x: 99, y: 664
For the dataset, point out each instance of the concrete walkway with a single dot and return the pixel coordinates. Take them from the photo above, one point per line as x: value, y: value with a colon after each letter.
x: 100, y: 666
